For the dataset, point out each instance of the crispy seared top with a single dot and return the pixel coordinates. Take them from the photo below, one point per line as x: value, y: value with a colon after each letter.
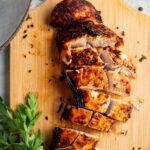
x: 69, y: 12
x: 86, y: 28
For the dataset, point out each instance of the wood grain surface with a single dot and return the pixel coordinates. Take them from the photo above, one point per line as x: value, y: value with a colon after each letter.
x: 35, y: 66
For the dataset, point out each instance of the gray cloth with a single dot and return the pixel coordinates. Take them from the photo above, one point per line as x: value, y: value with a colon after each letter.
x: 145, y: 4
x: 36, y: 3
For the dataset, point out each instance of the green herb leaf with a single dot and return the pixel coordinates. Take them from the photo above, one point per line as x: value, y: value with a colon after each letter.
x: 17, y: 133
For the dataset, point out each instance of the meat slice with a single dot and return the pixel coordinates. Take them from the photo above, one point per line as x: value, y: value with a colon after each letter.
x: 119, y: 83
x: 70, y: 139
x: 81, y: 57
x: 63, y: 138
x: 69, y: 12
x: 87, y: 118
x: 117, y: 59
x: 77, y: 115
x: 101, y: 122
x: 95, y: 78
x: 95, y: 100
x: 92, y: 77
x: 85, y: 142
x: 120, y: 110
x: 84, y: 34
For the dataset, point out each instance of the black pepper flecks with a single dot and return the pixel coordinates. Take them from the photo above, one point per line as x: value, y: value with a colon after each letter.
x: 122, y: 133
x: 125, y: 132
x: 25, y: 31
x: 31, y: 45
x: 123, y: 33
x: 28, y: 17
x: 46, y: 64
x: 29, y: 71
x: 24, y: 56
x: 127, y: 91
x: 140, y: 8
x: 24, y: 36
x: 31, y: 25
x: 133, y: 148
x: 142, y: 58
x: 49, y: 80
x: 117, y: 28
x: 46, y: 117
x: 139, y: 148
x: 99, y: 12
x: 34, y: 36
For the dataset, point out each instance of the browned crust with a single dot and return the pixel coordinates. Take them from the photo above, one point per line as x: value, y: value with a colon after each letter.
x: 88, y: 28
x: 88, y: 118
x: 89, y: 77
x: 84, y: 142
x: 101, y: 122
x: 120, y: 111
x: 96, y: 101
x: 69, y: 12
x: 66, y: 138
x: 121, y: 84
x: 80, y: 116
x: 85, y: 57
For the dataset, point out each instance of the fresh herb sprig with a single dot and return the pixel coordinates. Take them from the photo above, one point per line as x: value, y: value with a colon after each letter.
x: 17, y: 126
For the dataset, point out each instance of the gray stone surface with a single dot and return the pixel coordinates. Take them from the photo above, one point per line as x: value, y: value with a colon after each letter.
x: 4, y: 74
x: 12, y: 13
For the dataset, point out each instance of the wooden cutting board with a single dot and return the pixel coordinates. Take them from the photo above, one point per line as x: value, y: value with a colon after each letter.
x: 35, y: 66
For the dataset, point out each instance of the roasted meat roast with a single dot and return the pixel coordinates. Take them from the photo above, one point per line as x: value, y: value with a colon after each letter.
x: 99, y: 74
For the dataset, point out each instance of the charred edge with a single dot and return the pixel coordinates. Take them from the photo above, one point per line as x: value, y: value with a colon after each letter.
x: 79, y: 99
x: 86, y: 28
x: 66, y: 112
x: 57, y: 39
x: 70, y: 83
x: 62, y: 77
x: 55, y: 138
x: 77, y: 93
